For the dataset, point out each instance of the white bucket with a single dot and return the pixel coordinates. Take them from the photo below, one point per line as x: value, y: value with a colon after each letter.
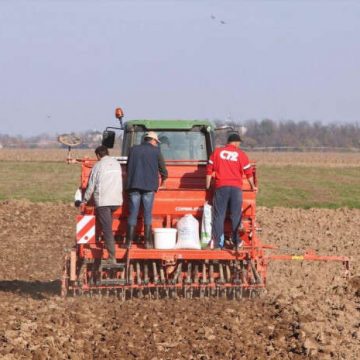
x: 165, y: 238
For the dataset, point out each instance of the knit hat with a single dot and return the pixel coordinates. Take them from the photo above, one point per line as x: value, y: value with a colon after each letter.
x: 234, y: 137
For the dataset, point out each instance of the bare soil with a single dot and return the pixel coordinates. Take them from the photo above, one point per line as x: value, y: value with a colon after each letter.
x: 309, y: 311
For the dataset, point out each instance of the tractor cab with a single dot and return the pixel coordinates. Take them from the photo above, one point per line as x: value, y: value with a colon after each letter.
x: 185, y: 140
x: 179, y: 140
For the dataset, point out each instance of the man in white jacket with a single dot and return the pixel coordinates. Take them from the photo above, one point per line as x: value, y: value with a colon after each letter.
x: 105, y: 184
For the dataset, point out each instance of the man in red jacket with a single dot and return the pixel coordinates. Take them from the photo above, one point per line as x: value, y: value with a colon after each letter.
x: 227, y: 165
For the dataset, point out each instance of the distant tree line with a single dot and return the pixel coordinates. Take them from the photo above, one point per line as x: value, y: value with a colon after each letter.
x: 297, y: 135
x: 256, y: 134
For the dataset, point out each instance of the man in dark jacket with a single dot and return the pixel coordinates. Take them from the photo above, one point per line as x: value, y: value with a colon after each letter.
x: 145, y: 162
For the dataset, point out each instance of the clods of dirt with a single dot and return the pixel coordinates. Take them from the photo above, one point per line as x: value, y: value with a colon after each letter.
x: 310, y: 310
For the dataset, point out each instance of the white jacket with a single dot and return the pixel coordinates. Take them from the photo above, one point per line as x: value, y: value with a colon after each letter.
x: 105, y: 183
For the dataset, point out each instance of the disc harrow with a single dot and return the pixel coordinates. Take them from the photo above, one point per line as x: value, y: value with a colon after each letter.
x: 155, y: 279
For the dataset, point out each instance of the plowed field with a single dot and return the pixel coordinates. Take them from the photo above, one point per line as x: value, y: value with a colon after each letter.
x: 310, y: 311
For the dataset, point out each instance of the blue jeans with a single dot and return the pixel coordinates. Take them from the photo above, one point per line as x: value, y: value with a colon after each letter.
x: 136, y: 197
x: 226, y: 196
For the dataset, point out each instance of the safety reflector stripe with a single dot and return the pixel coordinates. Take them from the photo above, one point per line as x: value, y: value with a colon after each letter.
x: 85, y: 229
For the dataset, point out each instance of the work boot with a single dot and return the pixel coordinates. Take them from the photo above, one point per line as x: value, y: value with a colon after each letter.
x: 129, y: 236
x: 148, y: 237
x: 238, y: 243
x: 110, y: 246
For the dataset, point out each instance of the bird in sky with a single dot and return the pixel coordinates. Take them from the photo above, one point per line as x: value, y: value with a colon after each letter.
x: 213, y: 17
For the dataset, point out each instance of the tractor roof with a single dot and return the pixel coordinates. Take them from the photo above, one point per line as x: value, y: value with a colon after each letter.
x: 169, y: 124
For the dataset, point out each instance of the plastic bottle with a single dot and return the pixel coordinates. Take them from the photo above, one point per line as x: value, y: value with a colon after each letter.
x: 78, y: 197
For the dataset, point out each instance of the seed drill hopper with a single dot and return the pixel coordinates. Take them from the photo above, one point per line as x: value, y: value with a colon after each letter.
x: 154, y: 273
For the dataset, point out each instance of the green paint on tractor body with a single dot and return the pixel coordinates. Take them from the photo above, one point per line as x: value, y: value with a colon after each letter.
x: 169, y: 124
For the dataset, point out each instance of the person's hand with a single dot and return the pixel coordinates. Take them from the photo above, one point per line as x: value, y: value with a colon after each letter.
x: 82, y: 206
x: 209, y: 194
x: 163, y: 185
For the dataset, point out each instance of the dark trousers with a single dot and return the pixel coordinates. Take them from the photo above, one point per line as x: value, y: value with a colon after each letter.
x: 136, y: 197
x: 224, y: 197
x: 104, y: 214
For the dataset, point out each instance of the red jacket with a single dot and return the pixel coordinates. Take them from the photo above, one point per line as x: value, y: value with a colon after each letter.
x: 228, y: 164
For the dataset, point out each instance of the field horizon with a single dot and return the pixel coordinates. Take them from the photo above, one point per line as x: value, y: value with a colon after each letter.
x: 293, y: 180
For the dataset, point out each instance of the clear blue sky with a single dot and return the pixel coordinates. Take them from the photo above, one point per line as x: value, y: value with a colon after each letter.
x: 65, y: 65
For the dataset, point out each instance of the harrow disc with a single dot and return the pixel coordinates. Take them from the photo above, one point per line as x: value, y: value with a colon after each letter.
x: 69, y: 139
x: 154, y: 279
